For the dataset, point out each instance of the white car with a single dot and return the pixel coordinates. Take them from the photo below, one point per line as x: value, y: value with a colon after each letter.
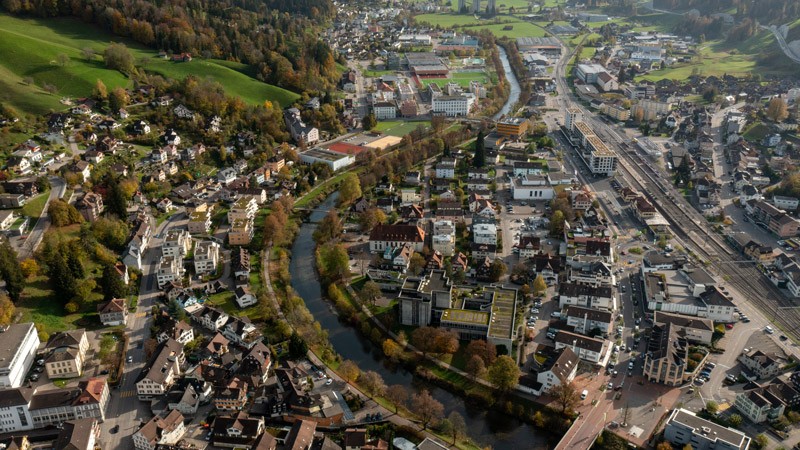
x: 768, y: 329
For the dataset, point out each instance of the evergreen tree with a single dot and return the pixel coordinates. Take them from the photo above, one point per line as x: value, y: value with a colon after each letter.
x: 116, y: 201
x: 480, y: 151
x: 112, y: 284
x: 10, y: 271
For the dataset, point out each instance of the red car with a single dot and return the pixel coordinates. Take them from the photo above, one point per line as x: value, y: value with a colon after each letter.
x: 729, y: 326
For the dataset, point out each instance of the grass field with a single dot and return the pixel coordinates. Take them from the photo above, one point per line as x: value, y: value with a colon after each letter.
x: 29, y: 48
x: 519, y: 28
x: 461, y: 78
x: 33, y: 208
x: 398, y: 128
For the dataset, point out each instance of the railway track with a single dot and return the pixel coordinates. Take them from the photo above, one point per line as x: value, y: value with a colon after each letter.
x: 692, y: 229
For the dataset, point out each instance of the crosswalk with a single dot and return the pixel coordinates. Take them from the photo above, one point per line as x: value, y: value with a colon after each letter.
x: 128, y: 394
x: 141, y: 314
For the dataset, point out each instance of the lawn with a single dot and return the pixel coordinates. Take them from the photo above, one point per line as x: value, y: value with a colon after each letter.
x: 519, y: 28
x: 37, y: 305
x: 33, y: 208
x: 29, y: 49
x: 399, y: 128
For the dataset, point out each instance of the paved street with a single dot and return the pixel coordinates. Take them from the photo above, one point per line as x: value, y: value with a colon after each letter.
x: 124, y: 409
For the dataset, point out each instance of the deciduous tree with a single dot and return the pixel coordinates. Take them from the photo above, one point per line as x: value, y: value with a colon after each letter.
x: 349, y: 189
x: 118, y: 57
x: 372, y: 382
x: 7, y: 310
x: 475, y: 366
x: 504, y: 373
x: 777, y: 110
x: 112, y: 283
x: 566, y: 395
x: 486, y: 351
x: 539, y: 285
x: 349, y: 370
x: 427, y: 408
x: 459, y: 425
x: 370, y: 293
x: 398, y: 395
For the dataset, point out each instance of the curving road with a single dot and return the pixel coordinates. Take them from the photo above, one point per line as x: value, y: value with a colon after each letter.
x: 782, y: 43
x: 57, y: 189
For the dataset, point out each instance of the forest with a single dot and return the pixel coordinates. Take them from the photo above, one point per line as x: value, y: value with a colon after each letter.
x: 275, y: 37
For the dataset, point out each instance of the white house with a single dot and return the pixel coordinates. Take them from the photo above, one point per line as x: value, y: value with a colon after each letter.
x: 206, y: 257
x: 484, y: 233
x: 245, y: 297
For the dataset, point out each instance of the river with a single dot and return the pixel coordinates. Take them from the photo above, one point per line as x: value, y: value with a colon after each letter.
x: 513, y: 95
x: 485, y: 428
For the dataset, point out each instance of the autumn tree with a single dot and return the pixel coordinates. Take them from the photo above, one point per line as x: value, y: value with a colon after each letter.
x: 426, y: 407
x: 557, y: 222
x: 372, y: 382
x: 29, y: 267
x: 566, y: 395
x: 370, y: 293
x: 777, y: 110
x: 398, y: 395
x: 63, y: 214
x: 7, y: 310
x: 497, y: 270
x: 504, y: 373
x: 333, y: 262
x: 349, y: 370
x: 417, y: 264
x: 118, y: 99
x: 329, y: 228
x: 664, y: 445
x: 371, y: 218
x: 475, y: 366
x: 445, y: 341
x: 349, y: 189
x: 539, y: 285
x: 118, y: 57
x: 369, y: 122
x: 100, y: 91
x: 483, y: 349
x: 392, y: 350
x: 459, y: 425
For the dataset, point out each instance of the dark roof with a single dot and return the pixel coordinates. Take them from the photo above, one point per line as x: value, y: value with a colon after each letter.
x: 589, y: 313
x: 576, y: 289
x: 398, y: 233
x: 76, y: 434
x: 568, y: 338
x: 301, y: 436
x: 684, y: 321
x: 15, y: 397
x: 564, y: 364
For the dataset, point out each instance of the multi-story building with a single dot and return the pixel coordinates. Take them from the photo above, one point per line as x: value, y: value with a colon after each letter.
x: 160, y: 431
x: 776, y: 220
x: 113, y: 312
x: 14, y: 412
x: 55, y: 406
x: 242, y: 332
x: 453, y: 105
x: 177, y: 243
x: 587, y: 320
x: 444, y: 237
x: 384, y: 110
x: 595, y: 297
x: 170, y: 269
x: 419, y: 297
x: 484, y: 233
x: 532, y: 187
x: 694, y: 329
x: 301, y: 133
x: 243, y: 209
x: 685, y: 428
x: 67, y: 354
x: 91, y: 206
x: 211, y: 319
x: 200, y: 220
x: 206, y: 257
x: 761, y: 364
x: 240, y: 232
x: 514, y: 127
x: 759, y: 404
x: 237, y: 431
x: 383, y: 236
x: 18, y: 345
x: 161, y: 371
x: 667, y: 354
x: 589, y: 349
x: 602, y: 160
x: 558, y: 371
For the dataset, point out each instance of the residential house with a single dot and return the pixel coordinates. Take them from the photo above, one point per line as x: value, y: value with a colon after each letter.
x: 240, y: 232
x: 242, y: 333
x: 761, y: 364
x: 88, y: 400
x: 90, y: 206
x: 759, y: 404
x: 245, y: 297
x: 232, y: 397
x: 590, y: 321
x: 200, y: 219
x: 160, y: 431
x: 588, y: 349
x: 177, y: 243
x: 113, y: 312
x: 237, y: 431
x: 79, y: 434
x: 177, y: 330
x: 595, y: 297
x: 206, y: 257
x: 560, y: 369
x: 66, y: 354
x: 210, y: 318
x: 693, y: 329
x: 170, y: 269
x: 161, y: 371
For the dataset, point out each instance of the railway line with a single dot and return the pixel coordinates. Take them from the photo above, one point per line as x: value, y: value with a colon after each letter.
x: 686, y: 223
x: 692, y: 229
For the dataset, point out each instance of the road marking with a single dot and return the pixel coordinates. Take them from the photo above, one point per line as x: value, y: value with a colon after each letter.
x: 141, y: 314
x: 128, y: 394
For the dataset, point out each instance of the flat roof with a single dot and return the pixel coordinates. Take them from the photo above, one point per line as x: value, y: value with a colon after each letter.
x: 599, y: 147
x: 11, y: 342
x: 323, y: 154
x: 715, y: 432
x: 503, y: 312
x: 466, y: 316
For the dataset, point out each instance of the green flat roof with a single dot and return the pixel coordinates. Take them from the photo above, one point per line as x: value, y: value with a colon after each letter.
x: 466, y: 316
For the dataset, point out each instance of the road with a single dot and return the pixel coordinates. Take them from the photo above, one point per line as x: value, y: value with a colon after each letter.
x: 124, y: 408
x: 782, y: 43
x: 57, y: 189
